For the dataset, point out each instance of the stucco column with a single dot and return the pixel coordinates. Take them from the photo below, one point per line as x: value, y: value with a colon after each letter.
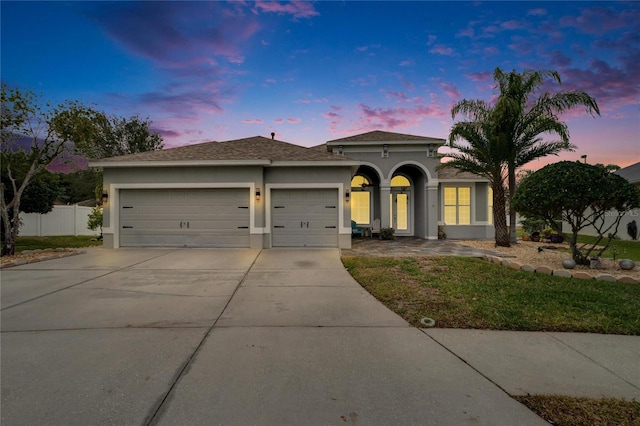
x: 385, y: 192
x: 432, y: 212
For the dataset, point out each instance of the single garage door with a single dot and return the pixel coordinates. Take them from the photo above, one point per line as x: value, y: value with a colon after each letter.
x: 184, y: 217
x: 304, y: 217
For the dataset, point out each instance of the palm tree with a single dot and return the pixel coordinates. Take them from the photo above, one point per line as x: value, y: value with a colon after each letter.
x: 512, y: 131
x: 522, y: 119
x: 482, y: 155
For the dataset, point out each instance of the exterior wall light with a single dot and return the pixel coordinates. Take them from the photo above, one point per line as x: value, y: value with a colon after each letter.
x: 257, y: 194
x: 105, y: 196
x: 347, y: 194
x: 385, y: 150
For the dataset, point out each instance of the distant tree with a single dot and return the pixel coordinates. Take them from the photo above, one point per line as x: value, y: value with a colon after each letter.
x: 111, y: 136
x: 582, y: 195
x: 79, y: 186
x: 47, y: 129
x: 40, y: 194
x: 512, y: 130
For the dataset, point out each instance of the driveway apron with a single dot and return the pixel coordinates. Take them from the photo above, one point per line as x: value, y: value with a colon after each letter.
x: 230, y: 337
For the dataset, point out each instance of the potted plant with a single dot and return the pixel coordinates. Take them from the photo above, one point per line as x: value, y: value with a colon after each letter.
x: 387, y: 233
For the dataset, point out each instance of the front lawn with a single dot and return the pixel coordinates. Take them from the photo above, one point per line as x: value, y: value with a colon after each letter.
x: 65, y: 241
x: 569, y: 411
x: 470, y: 293
x: 618, y: 249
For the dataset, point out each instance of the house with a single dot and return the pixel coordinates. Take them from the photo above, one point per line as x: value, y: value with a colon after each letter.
x: 397, y: 182
x: 260, y: 193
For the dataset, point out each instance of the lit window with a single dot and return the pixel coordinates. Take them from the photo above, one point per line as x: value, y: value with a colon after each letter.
x: 359, y: 181
x: 400, y: 181
x: 360, y: 200
x: 457, y: 205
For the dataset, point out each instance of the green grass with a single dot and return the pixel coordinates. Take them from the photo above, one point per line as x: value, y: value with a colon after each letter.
x: 470, y: 293
x: 34, y: 243
x: 622, y: 249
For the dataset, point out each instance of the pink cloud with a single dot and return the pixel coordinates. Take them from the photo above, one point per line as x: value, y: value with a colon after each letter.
x: 479, y: 76
x: 304, y: 101
x: 442, y: 50
x: 600, y: 20
x: 611, y: 87
x: 511, y: 25
x: 402, y: 97
x: 450, y: 90
x: 295, y: 8
x: 490, y: 50
x: 537, y: 12
x: 558, y: 59
x: 521, y: 45
x: 369, y: 80
x: 393, y: 119
x: 407, y: 63
x: 278, y: 121
x: 253, y: 121
x: 293, y: 120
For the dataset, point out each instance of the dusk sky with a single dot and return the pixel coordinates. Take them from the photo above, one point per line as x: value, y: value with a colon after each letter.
x: 317, y: 71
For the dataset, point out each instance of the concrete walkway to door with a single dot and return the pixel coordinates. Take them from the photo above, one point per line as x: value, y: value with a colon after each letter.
x: 233, y: 337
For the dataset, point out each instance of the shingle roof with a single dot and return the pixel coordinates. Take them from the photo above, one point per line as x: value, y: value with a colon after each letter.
x: 631, y: 173
x: 380, y: 136
x: 452, y: 173
x: 254, y: 148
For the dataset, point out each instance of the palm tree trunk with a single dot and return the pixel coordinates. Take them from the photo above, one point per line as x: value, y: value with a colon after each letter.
x: 513, y: 239
x: 500, y: 216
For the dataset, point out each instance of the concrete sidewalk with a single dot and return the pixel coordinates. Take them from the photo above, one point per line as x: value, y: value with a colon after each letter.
x: 276, y: 337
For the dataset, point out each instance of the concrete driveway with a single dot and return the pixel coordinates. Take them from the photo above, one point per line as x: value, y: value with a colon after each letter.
x: 230, y: 337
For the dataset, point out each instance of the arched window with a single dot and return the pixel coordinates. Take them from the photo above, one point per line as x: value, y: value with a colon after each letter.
x: 361, y: 200
x: 400, y: 180
x: 359, y: 181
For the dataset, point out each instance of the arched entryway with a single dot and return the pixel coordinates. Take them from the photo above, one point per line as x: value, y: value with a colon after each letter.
x: 407, y: 202
x: 400, y: 205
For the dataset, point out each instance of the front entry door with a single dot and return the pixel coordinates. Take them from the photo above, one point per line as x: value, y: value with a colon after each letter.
x: 400, y: 213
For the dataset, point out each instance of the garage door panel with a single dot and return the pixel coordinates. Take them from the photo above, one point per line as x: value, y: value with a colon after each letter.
x: 305, y: 218
x: 184, y: 218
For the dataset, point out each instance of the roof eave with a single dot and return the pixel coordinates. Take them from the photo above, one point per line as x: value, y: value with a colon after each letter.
x: 429, y: 141
x: 177, y: 163
x: 318, y: 163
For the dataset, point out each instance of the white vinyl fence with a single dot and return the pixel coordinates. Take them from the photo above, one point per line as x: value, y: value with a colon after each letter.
x: 62, y: 220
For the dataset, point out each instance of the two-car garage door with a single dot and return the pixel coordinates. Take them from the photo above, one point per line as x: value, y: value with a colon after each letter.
x: 184, y: 217
x: 220, y: 217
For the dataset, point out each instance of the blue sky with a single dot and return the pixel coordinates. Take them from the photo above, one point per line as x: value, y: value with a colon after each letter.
x: 317, y: 71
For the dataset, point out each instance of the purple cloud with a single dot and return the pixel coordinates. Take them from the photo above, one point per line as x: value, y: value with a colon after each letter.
x: 611, y: 87
x: 600, y: 20
x: 480, y: 76
x: 295, y: 8
x: 537, y: 12
x: 558, y: 59
x: 441, y: 49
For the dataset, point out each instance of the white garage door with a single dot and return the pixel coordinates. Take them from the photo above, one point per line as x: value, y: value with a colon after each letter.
x: 184, y: 217
x: 304, y: 217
